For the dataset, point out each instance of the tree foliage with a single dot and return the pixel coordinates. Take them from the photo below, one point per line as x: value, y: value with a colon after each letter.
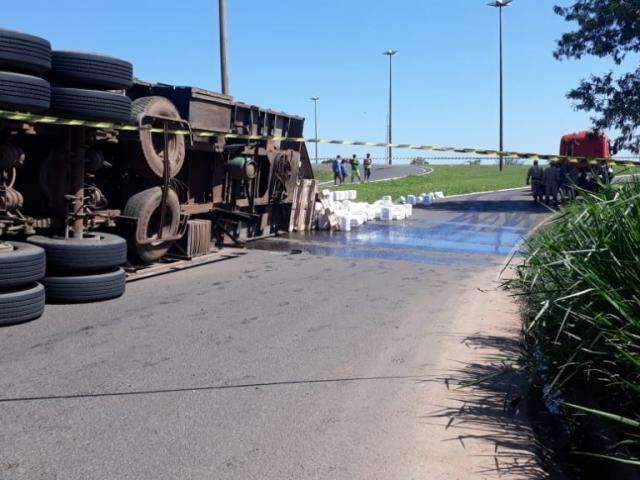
x: 606, y: 28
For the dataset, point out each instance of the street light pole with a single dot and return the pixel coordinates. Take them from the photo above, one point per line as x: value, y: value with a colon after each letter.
x: 315, y: 122
x: 390, y: 53
x: 500, y: 4
x: 222, y: 18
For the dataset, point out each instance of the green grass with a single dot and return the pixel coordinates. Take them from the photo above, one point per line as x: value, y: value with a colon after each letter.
x: 323, y: 173
x: 580, y: 295
x: 451, y: 180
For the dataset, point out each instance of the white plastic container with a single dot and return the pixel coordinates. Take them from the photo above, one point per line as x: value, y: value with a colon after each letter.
x: 358, y: 220
x: 398, y: 212
x: 387, y: 199
x: 386, y: 214
x: 345, y: 223
x: 408, y: 210
x: 401, y: 200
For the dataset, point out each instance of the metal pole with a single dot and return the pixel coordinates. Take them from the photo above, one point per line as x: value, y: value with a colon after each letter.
x: 501, y: 100
x: 224, y: 74
x: 389, y: 133
x: 315, y: 122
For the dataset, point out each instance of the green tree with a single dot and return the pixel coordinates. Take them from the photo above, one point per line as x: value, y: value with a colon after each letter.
x: 606, y: 28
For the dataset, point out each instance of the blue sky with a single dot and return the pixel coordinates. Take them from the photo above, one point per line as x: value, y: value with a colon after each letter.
x: 284, y: 51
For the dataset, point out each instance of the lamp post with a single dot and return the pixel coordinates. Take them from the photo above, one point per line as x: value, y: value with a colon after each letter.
x: 315, y: 122
x: 222, y: 18
x: 500, y: 4
x: 390, y: 54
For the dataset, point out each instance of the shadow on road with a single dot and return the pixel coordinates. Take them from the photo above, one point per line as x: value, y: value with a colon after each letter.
x: 479, y: 205
x: 489, y: 405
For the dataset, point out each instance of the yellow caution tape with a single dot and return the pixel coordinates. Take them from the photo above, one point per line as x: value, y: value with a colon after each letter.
x: 51, y: 120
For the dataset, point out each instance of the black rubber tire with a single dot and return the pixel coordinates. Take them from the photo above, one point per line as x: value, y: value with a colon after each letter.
x: 149, y: 159
x: 145, y: 206
x: 102, y: 251
x: 89, y: 70
x: 24, y: 92
x: 22, y: 304
x: 21, y: 52
x: 23, y: 265
x: 85, y: 288
x: 82, y: 104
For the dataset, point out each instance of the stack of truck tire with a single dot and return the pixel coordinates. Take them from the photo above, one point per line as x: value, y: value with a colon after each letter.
x: 75, y: 85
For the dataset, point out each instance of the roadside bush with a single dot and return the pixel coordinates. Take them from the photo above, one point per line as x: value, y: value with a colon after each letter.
x: 580, y: 296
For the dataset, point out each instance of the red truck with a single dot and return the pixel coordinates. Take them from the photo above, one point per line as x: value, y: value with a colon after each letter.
x: 588, y: 144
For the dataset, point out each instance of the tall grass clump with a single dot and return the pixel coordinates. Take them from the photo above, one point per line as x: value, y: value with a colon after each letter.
x: 580, y: 295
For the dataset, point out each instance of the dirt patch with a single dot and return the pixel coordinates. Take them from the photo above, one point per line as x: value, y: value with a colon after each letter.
x: 481, y: 406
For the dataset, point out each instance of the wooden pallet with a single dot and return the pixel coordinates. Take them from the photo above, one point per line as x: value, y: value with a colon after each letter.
x: 304, y: 201
x: 169, y: 264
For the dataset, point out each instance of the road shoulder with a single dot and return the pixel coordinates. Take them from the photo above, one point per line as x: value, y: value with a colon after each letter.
x: 479, y: 407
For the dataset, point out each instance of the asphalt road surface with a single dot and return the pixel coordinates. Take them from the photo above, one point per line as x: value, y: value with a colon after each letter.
x: 302, y: 359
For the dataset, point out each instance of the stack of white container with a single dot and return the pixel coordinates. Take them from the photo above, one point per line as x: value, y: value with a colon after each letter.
x: 338, y: 210
x: 422, y: 199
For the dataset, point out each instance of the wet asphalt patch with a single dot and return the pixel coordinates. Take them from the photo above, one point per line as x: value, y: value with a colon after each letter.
x: 419, y: 240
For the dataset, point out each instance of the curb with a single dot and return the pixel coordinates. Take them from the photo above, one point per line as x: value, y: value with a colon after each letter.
x: 485, y: 192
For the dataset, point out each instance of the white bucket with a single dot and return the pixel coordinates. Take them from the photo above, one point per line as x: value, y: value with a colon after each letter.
x: 345, y: 223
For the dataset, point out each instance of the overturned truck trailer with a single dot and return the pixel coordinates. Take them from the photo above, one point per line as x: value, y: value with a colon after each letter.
x: 245, y: 187
x: 96, y: 167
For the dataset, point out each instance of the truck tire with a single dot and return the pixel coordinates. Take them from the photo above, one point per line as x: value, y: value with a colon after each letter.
x: 82, y: 104
x: 85, y: 288
x: 98, y: 251
x: 145, y: 206
x: 150, y: 164
x: 22, y: 52
x: 22, y: 304
x: 22, y: 264
x: 24, y: 92
x: 89, y: 70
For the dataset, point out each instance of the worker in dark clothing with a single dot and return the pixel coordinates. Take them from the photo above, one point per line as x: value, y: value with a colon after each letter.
x: 563, y: 181
x: 367, y: 167
x: 551, y: 181
x: 534, y: 178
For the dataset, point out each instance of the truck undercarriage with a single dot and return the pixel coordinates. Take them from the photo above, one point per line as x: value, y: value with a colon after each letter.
x: 115, y: 157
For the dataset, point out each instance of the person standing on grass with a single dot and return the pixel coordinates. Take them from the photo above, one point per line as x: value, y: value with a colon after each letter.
x: 355, y: 169
x: 343, y: 170
x: 337, y: 170
x: 367, y: 167
x: 534, y: 178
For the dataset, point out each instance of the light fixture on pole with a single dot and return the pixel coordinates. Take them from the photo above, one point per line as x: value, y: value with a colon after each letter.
x: 315, y: 122
x: 390, y: 54
x: 500, y: 4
